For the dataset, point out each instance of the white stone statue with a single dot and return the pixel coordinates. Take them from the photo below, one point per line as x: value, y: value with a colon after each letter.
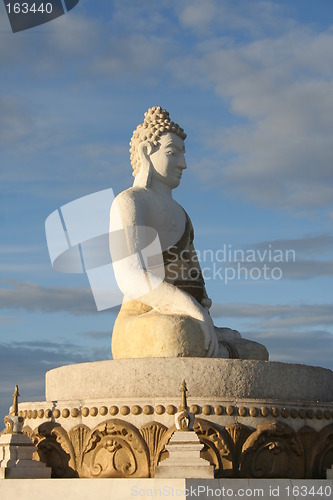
x: 165, y: 312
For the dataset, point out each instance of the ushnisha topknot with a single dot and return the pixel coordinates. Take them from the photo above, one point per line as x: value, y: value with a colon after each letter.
x: 156, y: 123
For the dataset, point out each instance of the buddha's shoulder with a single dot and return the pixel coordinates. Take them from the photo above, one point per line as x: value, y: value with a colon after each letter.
x: 133, y: 197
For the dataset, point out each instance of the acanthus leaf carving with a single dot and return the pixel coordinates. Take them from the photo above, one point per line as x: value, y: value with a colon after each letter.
x: 323, y: 452
x: 63, y: 439
x: 215, y: 445
x: 308, y: 438
x: 273, y: 451
x: 78, y: 437
x: 153, y: 433
x: 236, y: 435
x: 55, y: 449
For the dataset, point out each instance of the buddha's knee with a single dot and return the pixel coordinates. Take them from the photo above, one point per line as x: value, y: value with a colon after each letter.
x: 232, y: 345
x: 157, y: 335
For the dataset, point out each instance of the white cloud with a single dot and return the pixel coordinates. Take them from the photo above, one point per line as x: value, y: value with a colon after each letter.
x: 199, y: 15
x: 19, y: 267
x: 298, y: 259
x: 74, y: 35
x: 134, y: 17
x: 96, y: 335
x: 308, y: 245
x: 291, y: 333
x: 281, y: 88
x: 303, y: 258
x: 289, y: 269
x: 25, y: 363
x: 19, y: 249
x: 281, y: 316
x: 313, y: 347
x: 245, y: 18
x: 16, y: 120
x: 87, y: 47
x: 271, y: 72
x: 47, y: 148
x: 7, y: 319
x: 137, y: 55
x: 33, y: 297
x: 306, y: 269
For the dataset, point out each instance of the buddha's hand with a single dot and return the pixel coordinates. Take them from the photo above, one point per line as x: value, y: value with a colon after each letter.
x: 212, y: 344
x: 207, y: 326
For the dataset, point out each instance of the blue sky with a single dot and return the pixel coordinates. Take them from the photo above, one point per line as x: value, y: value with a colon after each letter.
x: 251, y: 84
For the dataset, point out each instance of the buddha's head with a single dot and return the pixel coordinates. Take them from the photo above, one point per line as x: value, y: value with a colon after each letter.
x: 156, y: 131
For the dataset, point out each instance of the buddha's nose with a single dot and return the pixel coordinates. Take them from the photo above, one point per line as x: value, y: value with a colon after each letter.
x: 182, y: 162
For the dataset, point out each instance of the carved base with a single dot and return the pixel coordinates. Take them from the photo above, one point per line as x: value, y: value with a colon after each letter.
x: 255, y: 419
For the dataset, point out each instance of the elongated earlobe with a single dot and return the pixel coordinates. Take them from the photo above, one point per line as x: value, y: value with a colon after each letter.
x: 142, y: 179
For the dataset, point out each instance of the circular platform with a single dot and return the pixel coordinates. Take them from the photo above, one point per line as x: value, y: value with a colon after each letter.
x: 214, y: 378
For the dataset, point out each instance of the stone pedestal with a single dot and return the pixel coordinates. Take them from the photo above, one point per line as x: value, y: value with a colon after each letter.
x: 16, y: 461
x: 256, y: 419
x: 184, y: 458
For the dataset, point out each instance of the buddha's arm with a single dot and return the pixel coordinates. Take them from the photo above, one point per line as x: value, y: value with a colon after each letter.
x: 127, y: 240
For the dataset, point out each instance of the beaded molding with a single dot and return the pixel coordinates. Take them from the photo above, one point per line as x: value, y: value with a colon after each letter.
x: 230, y: 410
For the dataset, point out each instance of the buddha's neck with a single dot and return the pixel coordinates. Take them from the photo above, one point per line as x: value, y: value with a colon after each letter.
x: 160, y: 188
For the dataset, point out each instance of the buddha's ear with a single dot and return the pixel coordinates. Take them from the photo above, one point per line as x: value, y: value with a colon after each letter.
x: 145, y: 149
x: 142, y: 178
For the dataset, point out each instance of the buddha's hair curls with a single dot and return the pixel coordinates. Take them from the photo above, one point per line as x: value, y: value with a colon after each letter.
x: 156, y: 123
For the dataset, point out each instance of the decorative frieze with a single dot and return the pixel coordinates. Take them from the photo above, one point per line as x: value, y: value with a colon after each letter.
x: 116, y: 448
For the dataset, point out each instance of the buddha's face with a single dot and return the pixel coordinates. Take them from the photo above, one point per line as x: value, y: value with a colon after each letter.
x: 169, y: 160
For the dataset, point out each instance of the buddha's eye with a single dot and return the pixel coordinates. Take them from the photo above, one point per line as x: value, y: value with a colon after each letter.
x: 170, y: 152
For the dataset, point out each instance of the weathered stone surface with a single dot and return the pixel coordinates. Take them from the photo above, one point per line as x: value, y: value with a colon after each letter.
x: 124, y: 489
x: 16, y: 451
x: 213, y: 378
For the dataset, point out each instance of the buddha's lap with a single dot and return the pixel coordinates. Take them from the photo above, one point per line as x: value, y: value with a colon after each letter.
x: 152, y: 334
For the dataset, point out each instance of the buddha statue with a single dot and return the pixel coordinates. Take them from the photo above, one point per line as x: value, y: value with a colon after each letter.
x: 165, y: 311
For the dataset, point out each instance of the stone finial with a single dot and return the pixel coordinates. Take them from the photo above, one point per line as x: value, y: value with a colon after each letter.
x: 16, y: 394
x: 13, y: 423
x: 17, y: 449
x: 184, y: 419
x: 184, y: 399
